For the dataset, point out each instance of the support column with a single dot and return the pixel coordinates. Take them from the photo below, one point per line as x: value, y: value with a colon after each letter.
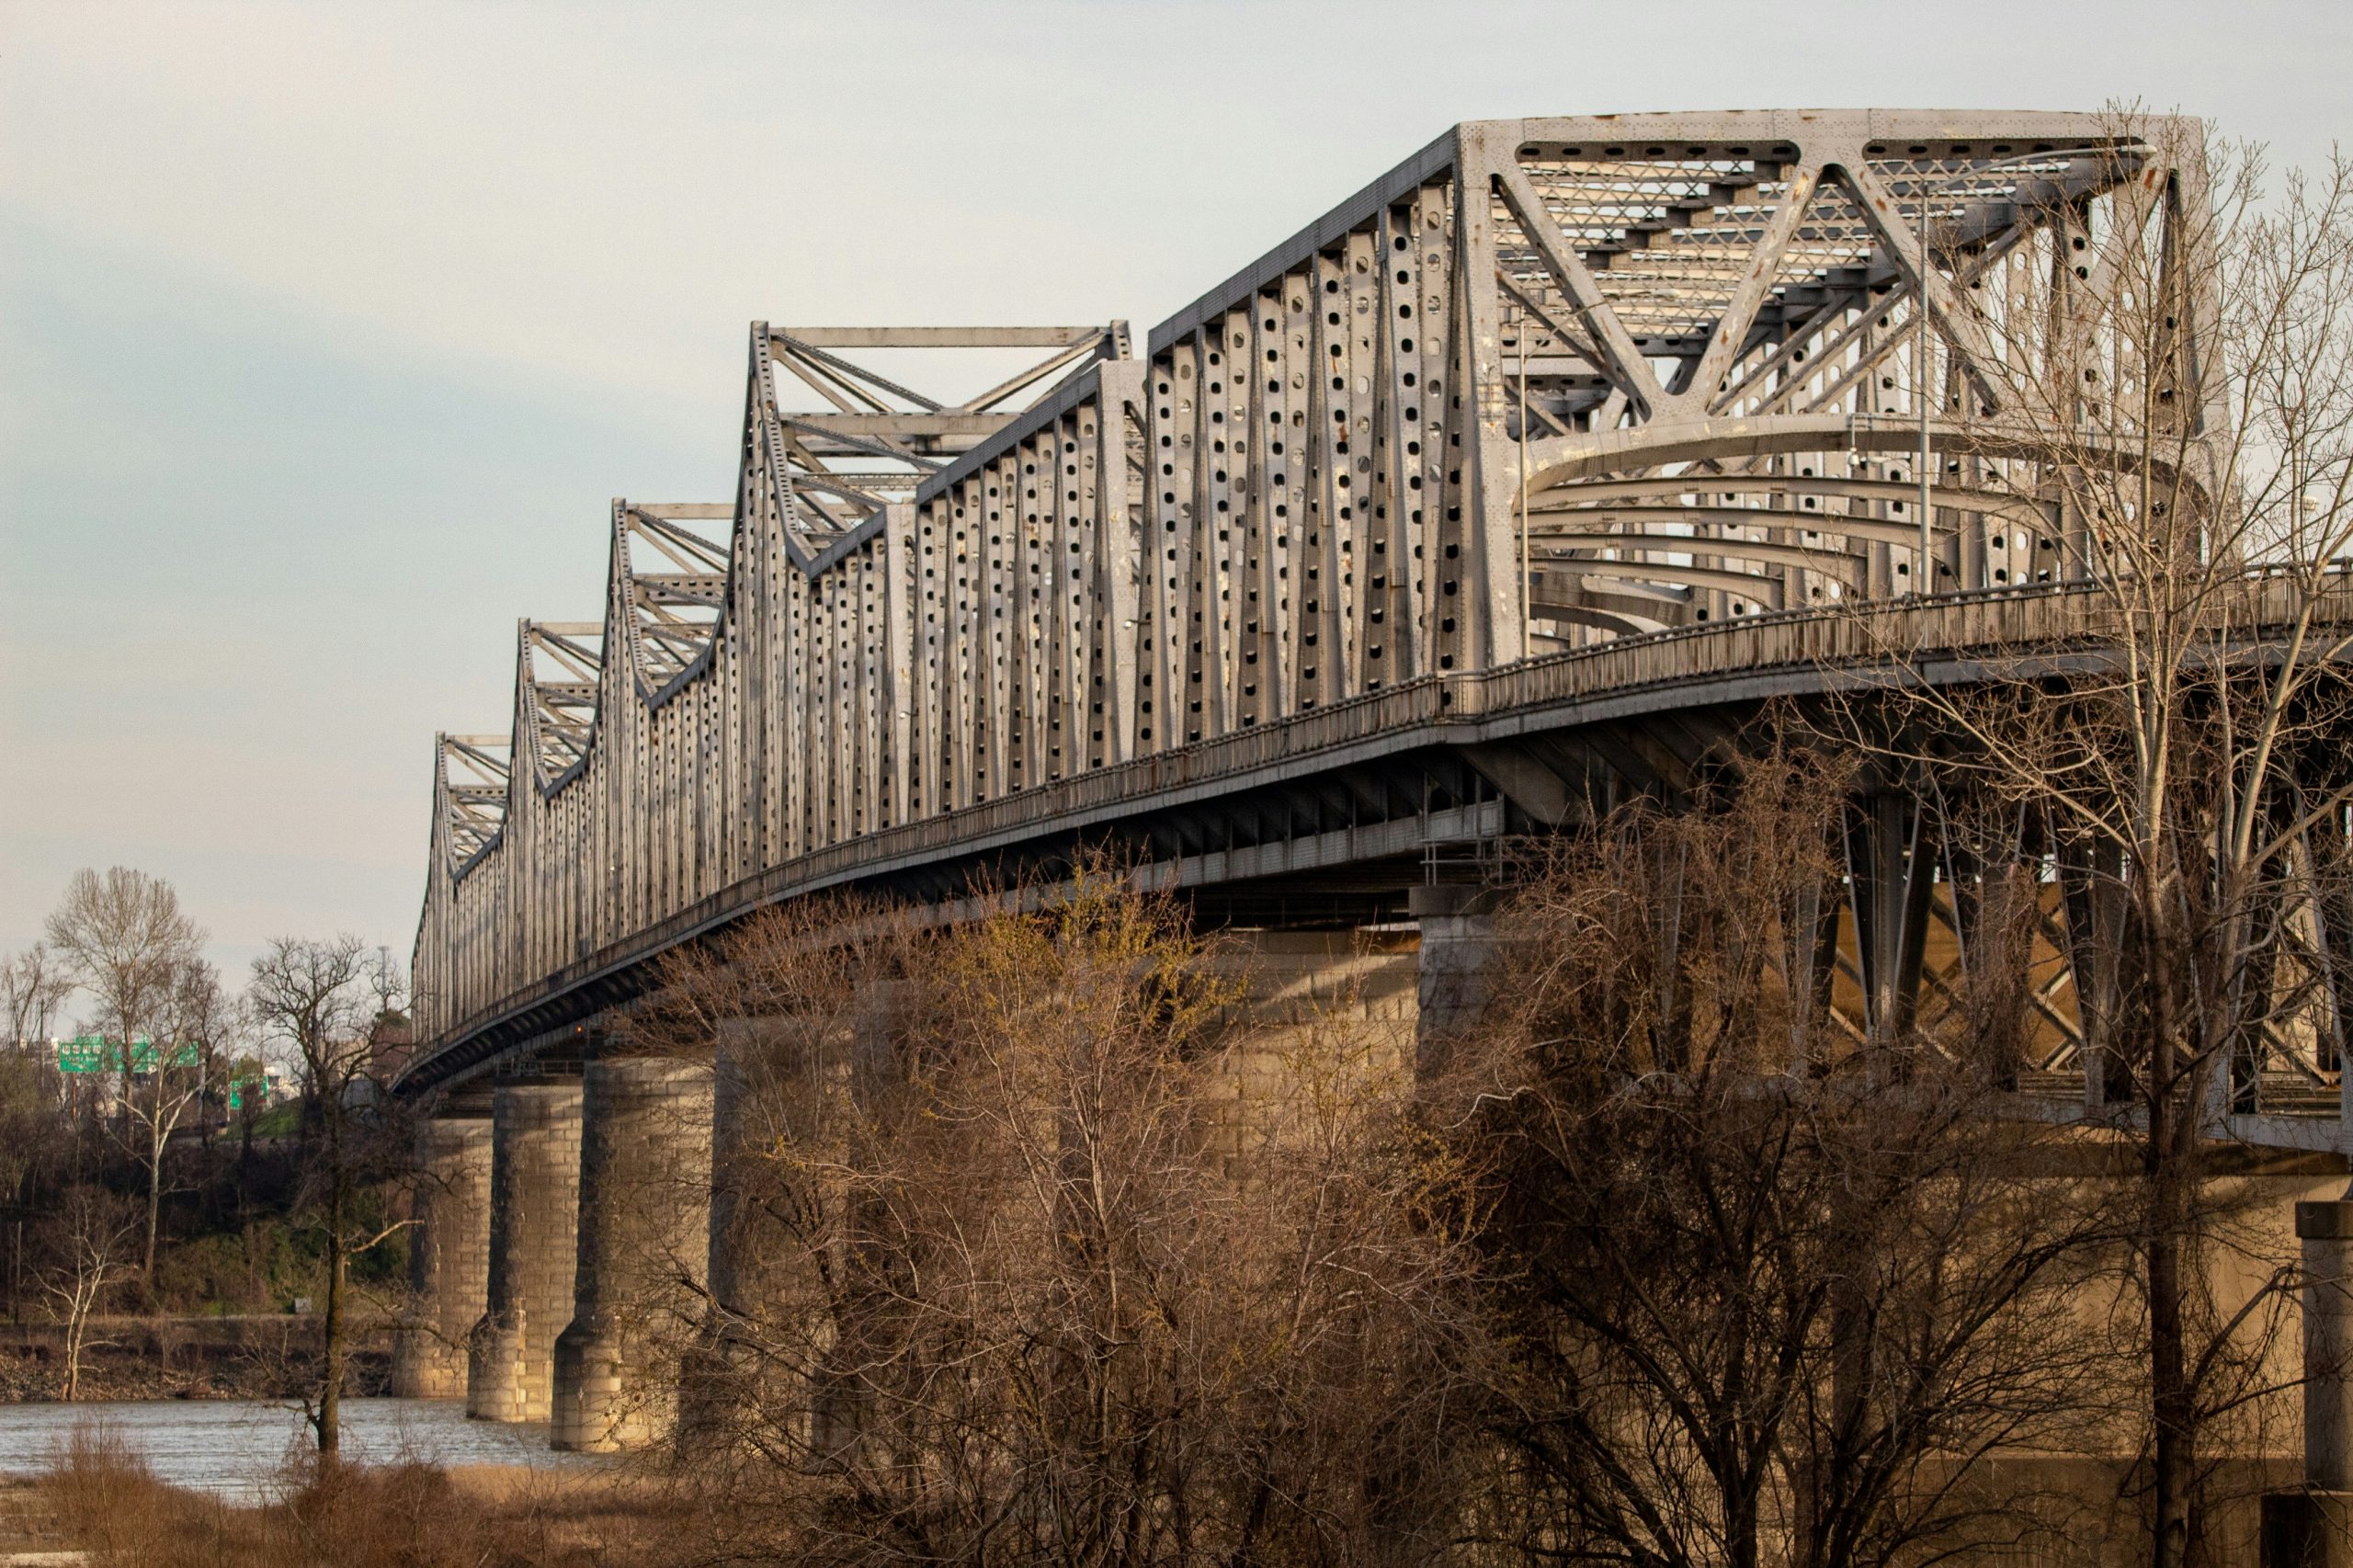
x: 2314, y: 1528
x: 1456, y: 978
x: 758, y: 1368
x: 449, y: 1257
x: 534, y: 1212
x: 712, y: 1383
x: 1891, y: 876
x: 644, y: 1238
x: 2326, y: 1232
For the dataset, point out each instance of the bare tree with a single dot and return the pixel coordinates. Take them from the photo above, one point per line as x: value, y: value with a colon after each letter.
x: 318, y: 997
x: 34, y: 1134
x: 2191, y: 453
x: 34, y: 989
x: 191, y: 1021
x: 124, y: 939
x: 91, y: 1237
x: 218, y: 1030
x: 1779, y: 1289
x: 1013, y: 1280
x: 129, y: 944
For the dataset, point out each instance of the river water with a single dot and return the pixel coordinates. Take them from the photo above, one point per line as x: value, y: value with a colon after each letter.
x: 238, y: 1449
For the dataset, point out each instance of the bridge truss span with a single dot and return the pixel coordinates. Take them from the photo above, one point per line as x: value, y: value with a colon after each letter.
x: 1553, y: 394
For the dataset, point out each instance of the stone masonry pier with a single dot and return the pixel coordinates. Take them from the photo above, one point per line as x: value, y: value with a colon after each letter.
x: 645, y: 1224
x: 449, y: 1257
x: 534, y: 1210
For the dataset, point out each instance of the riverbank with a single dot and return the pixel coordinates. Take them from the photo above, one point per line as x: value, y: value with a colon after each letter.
x: 245, y: 1450
x: 259, y: 1357
x: 98, y: 1506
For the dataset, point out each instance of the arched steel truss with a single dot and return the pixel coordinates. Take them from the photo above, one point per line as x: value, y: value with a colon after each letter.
x: 1546, y: 386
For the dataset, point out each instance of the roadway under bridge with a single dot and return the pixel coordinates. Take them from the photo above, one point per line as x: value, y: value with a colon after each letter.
x: 1518, y: 483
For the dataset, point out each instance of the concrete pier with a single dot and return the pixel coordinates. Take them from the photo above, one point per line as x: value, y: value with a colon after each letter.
x: 747, y: 1117
x: 449, y: 1257
x: 1457, y: 974
x: 756, y: 1358
x: 643, y: 1242
x: 534, y: 1211
x: 2311, y: 1527
x: 2324, y: 1232
x: 712, y: 1372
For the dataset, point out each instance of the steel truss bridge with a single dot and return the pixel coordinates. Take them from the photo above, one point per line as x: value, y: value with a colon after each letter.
x: 1516, y: 483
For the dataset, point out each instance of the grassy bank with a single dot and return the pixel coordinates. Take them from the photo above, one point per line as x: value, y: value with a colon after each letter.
x: 100, y: 1499
x: 261, y: 1356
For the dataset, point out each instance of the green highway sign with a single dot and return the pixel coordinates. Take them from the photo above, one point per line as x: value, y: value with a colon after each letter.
x: 95, y: 1053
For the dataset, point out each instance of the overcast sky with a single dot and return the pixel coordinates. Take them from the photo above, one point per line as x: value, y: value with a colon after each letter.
x: 327, y: 331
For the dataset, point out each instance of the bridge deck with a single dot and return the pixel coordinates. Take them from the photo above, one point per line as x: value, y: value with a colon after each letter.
x: 1688, y: 407
x: 1955, y: 639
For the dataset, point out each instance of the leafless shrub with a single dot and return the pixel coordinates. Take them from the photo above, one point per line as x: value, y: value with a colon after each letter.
x: 110, y: 1505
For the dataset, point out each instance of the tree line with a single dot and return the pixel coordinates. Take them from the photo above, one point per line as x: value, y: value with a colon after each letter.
x: 91, y: 1159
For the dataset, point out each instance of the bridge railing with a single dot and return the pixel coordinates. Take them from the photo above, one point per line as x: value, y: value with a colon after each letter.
x: 1492, y: 402
x: 1855, y: 644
